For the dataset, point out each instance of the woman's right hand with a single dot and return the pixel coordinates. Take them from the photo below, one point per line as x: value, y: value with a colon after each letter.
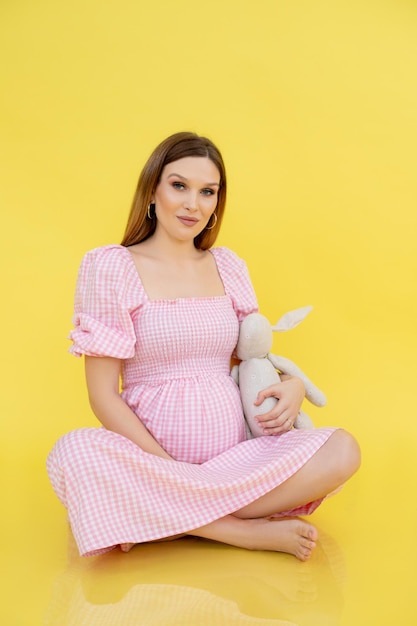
x: 102, y: 375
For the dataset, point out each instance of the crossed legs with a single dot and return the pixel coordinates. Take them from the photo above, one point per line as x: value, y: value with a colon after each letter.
x: 332, y: 465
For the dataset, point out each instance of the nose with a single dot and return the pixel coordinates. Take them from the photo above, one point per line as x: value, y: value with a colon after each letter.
x: 191, y: 201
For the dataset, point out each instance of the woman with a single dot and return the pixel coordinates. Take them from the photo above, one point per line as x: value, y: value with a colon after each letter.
x: 163, y: 310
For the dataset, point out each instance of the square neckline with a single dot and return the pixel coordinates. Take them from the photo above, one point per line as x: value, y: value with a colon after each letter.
x: 181, y: 298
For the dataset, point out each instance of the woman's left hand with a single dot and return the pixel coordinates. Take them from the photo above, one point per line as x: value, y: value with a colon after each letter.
x: 290, y: 394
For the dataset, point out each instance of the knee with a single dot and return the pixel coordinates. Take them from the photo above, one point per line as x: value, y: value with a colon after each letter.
x: 71, y: 446
x: 347, y: 454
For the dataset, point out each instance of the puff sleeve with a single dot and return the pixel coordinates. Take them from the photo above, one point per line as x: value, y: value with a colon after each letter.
x: 236, y: 281
x: 102, y: 313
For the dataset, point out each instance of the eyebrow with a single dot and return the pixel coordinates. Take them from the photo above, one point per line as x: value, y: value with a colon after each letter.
x: 186, y: 179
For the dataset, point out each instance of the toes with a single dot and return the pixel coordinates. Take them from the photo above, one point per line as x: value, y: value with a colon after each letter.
x: 307, y: 544
x: 308, y: 532
x: 312, y: 533
x: 304, y: 554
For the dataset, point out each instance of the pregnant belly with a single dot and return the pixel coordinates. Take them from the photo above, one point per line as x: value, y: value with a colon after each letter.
x: 193, y: 420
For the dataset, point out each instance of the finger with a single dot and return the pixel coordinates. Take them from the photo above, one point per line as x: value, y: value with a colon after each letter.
x: 279, y: 412
x: 271, y: 416
x: 269, y: 392
x: 277, y: 430
x: 282, y: 421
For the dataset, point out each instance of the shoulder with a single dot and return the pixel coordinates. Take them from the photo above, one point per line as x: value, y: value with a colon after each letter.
x: 106, y: 268
x: 236, y: 280
x: 227, y: 259
x: 107, y: 277
x: 106, y: 255
x: 109, y: 260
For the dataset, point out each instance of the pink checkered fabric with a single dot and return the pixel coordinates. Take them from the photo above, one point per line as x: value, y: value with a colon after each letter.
x: 176, y: 378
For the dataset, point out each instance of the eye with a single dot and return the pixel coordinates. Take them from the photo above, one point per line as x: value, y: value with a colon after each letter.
x: 208, y: 192
x: 178, y: 185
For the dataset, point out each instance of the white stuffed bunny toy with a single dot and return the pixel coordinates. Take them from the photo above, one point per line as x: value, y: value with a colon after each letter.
x: 258, y: 367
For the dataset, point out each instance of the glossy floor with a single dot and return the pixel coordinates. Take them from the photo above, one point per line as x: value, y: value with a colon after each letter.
x: 314, y: 107
x: 362, y: 571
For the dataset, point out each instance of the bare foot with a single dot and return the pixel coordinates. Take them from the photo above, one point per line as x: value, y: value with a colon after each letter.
x: 285, y: 534
x: 291, y: 535
x: 126, y: 547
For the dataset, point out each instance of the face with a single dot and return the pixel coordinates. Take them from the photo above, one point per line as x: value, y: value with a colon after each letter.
x: 186, y: 197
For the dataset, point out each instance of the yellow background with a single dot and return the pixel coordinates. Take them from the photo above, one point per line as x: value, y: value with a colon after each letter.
x: 314, y: 106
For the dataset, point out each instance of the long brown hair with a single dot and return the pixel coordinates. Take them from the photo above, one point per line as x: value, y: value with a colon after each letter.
x: 139, y: 227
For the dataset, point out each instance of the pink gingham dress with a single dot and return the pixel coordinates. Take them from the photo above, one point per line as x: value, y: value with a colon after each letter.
x: 176, y: 378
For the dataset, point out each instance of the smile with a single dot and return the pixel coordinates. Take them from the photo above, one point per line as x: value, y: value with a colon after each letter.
x: 187, y: 221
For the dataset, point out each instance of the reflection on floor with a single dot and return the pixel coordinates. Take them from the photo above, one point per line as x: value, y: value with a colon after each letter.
x: 191, y: 582
x: 362, y: 572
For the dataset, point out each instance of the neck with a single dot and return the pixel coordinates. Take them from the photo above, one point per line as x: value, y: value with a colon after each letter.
x: 172, y: 249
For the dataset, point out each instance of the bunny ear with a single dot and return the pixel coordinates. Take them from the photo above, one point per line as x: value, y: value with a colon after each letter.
x: 291, y: 319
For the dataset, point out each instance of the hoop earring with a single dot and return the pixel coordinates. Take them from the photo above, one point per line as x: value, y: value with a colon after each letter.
x: 151, y: 207
x: 215, y: 222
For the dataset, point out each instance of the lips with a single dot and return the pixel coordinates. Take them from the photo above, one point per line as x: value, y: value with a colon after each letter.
x: 187, y: 221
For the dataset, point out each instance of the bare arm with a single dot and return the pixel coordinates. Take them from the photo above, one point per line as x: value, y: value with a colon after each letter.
x: 102, y: 375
